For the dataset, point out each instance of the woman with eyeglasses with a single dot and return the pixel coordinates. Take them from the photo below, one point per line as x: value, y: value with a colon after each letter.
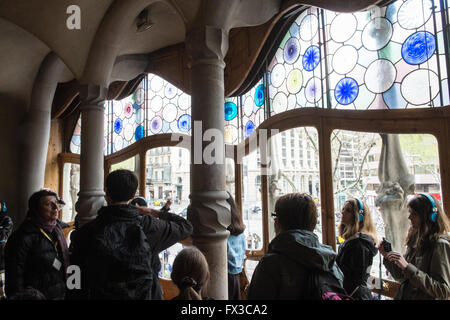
x: 355, y: 255
x: 424, y: 270
x: 36, y: 255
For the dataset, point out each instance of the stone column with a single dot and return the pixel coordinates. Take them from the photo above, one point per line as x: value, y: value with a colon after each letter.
x: 91, y: 195
x: 209, y: 212
x: 35, y: 131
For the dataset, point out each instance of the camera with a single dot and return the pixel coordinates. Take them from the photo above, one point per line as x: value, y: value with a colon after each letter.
x: 386, y: 246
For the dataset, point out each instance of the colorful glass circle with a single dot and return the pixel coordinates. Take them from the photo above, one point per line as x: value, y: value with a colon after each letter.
x: 156, y: 124
x: 291, y: 50
x: 118, y: 125
x: 294, y: 81
x: 128, y: 110
x: 311, y: 58
x: 418, y: 47
x: 260, y: 95
x: 231, y: 110
x: 346, y: 91
x: 313, y: 90
x: 170, y: 91
x: 376, y: 34
x: 184, y: 122
x: 249, y: 128
x: 139, y: 133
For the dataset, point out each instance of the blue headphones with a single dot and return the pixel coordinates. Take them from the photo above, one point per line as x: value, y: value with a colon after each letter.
x: 434, y: 211
x: 3, y: 204
x: 360, y: 209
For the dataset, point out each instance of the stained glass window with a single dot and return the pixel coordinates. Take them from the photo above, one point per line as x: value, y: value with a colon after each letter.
x: 391, y: 57
x: 232, y: 116
x: 253, y: 108
x: 169, y: 109
x: 386, y: 58
x: 75, y: 143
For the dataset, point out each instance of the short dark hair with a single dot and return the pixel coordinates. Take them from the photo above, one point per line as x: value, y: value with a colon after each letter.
x: 296, y: 211
x: 34, y: 202
x: 121, y: 185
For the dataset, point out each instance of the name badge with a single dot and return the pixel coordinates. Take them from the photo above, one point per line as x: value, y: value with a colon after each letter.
x: 57, y: 264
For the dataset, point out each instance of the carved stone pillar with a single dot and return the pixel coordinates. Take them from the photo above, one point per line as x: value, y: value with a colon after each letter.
x: 91, y: 195
x: 209, y: 212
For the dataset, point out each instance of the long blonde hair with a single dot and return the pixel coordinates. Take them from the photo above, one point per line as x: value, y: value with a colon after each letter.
x: 190, y: 273
x: 365, y: 226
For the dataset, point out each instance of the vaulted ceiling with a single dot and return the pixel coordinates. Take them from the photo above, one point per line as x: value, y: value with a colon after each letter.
x: 31, y: 29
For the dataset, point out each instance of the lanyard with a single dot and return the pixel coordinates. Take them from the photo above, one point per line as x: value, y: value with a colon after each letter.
x: 55, y: 244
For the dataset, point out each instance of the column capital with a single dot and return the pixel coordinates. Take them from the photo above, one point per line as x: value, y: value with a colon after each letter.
x: 92, y: 95
x: 207, y: 45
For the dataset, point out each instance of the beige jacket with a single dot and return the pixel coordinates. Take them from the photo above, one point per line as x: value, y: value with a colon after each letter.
x: 427, y: 275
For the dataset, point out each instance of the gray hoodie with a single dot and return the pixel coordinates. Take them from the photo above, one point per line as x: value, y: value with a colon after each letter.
x: 283, y: 272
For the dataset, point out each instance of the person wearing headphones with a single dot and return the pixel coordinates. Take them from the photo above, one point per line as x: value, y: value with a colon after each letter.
x: 424, y: 270
x: 355, y: 255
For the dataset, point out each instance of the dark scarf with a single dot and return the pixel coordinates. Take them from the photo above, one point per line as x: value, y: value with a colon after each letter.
x: 49, y: 228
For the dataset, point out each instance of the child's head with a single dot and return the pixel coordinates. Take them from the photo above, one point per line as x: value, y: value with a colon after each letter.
x: 190, y: 273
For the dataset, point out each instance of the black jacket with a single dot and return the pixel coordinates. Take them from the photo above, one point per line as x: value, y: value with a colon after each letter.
x: 116, y: 252
x: 355, y: 257
x: 282, y: 273
x: 6, y: 226
x: 29, y: 259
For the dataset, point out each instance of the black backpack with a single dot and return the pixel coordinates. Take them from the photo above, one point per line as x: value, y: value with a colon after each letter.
x: 323, y: 285
x: 122, y: 267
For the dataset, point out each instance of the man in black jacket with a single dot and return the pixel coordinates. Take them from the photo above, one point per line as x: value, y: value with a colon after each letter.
x: 114, y: 251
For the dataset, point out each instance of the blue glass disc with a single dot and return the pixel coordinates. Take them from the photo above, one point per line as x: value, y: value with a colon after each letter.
x: 118, y: 126
x: 76, y: 140
x: 231, y: 110
x: 291, y: 50
x: 418, y: 47
x: 249, y: 128
x: 346, y: 91
x: 259, y: 95
x: 139, y: 133
x: 184, y: 123
x: 311, y: 58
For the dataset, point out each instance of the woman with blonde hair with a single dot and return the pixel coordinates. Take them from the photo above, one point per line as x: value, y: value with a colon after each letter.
x: 190, y: 273
x: 355, y: 255
x: 424, y: 270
